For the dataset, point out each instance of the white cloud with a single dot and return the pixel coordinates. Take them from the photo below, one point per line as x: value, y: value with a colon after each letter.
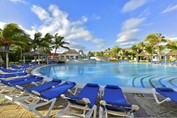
x: 132, y: 23
x: 72, y: 45
x: 2, y: 25
x: 169, y: 8
x: 129, y: 30
x: 77, y: 46
x: 30, y: 32
x: 173, y: 38
x: 18, y: 1
x: 56, y: 21
x: 95, y: 17
x: 41, y: 13
x: 127, y: 43
x: 133, y: 4
x: 127, y: 35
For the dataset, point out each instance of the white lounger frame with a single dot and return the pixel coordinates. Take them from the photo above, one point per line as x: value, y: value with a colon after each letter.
x: 32, y: 106
x: 17, y: 91
x: 156, y: 98
x: 103, y: 112
x: 87, y: 111
x: 31, y: 102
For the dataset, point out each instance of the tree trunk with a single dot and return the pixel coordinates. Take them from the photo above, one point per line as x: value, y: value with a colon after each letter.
x: 7, y: 57
x: 159, y: 53
x: 55, y: 52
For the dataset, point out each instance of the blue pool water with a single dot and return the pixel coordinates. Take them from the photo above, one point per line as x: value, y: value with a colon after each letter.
x: 121, y: 74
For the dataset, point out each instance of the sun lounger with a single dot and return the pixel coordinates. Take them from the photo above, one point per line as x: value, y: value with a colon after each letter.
x: 43, y: 87
x: 28, y: 81
x: 33, y: 64
x: 168, y: 93
x: 2, y: 76
x: 85, y: 100
x: 21, y: 81
x: 33, y: 90
x: 14, y: 66
x: 47, y: 97
x: 11, y: 71
x: 114, y: 103
x: 24, y: 65
x: 11, y: 85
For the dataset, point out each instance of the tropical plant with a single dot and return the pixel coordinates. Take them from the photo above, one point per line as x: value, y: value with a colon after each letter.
x: 149, y: 49
x: 172, y: 45
x: 41, y: 43
x: 115, y: 51
x: 35, y: 43
x: 59, y: 42
x: 155, y: 39
x: 134, y: 49
x: 12, y: 34
x: 46, y: 42
x: 107, y: 52
x: 140, y: 47
x: 125, y: 54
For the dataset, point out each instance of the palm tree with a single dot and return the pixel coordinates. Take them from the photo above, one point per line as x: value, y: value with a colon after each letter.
x: 35, y: 43
x: 140, y: 47
x: 13, y: 35
x: 107, y: 52
x: 149, y: 49
x: 124, y: 54
x: 46, y: 42
x: 115, y: 50
x: 172, y: 45
x: 41, y: 43
x: 155, y: 39
x: 135, y: 51
x: 134, y: 48
x: 59, y: 42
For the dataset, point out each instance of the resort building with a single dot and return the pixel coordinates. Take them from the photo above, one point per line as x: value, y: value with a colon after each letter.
x: 53, y: 55
x: 72, y: 54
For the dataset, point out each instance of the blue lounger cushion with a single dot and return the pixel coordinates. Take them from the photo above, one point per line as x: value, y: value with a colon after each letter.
x: 113, y: 87
x: 14, y: 66
x: 164, y: 90
x: 28, y: 81
x: 11, y: 71
x: 168, y: 93
x: 89, y: 91
x: 44, y: 86
x: 20, y: 81
x: 24, y: 65
x: 12, y: 75
x: 57, y: 91
x: 33, y: 63
x: 113, y: 95
x: 7, y: 82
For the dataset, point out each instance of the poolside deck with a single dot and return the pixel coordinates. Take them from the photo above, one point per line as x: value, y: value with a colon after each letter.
x: 148, y: 107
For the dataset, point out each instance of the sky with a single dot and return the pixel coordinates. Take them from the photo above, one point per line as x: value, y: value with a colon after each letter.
x: 93, y: 25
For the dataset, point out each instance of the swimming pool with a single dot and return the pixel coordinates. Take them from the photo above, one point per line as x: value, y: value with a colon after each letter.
x: 121, y: 74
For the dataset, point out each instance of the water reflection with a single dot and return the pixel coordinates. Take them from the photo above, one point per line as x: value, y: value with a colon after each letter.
x: 108, y: 73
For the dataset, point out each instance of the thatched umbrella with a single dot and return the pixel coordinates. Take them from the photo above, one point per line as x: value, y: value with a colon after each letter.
x: 35, y: 53
x: 143, y: 54
x: 172, y: 53
x: 7, y: 56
